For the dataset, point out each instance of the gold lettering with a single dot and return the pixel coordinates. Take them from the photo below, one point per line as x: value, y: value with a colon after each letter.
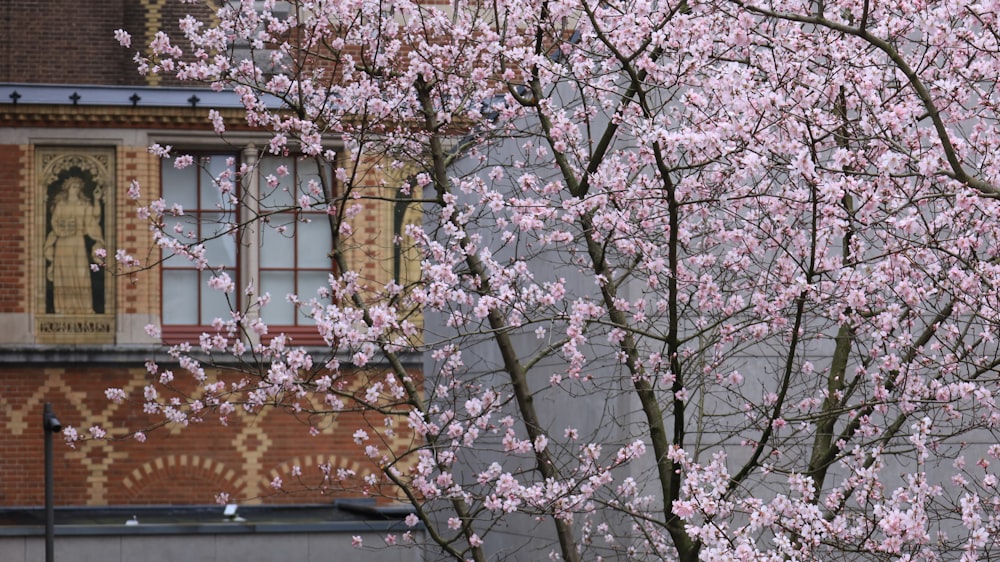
x: 74, y: 327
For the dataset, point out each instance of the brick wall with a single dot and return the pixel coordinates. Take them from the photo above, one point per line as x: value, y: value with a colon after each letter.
x: 14, y: 229
x: 137, y: 293
x: 177, y: 466
x: 63, y: 41
x: 72, y: 41
x: 182, y: 465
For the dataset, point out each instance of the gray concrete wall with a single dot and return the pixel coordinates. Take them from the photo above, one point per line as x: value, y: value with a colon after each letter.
x: 283, y: 547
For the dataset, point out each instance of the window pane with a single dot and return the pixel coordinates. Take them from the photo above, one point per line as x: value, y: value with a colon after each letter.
x: 213, y: 302
x: 188, y: 234
x: 211, y: 196
x: 310, y: 282
x: 278, y: 312
x: 278, y: 248
x: 220, y: 246
x: 180, y: 186
x: 314, y: 243
x: 308, y: 172
x: 282, y: 195
x: 180, y: 297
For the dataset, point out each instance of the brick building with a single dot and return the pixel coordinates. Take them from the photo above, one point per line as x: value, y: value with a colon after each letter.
x: 75, y: 124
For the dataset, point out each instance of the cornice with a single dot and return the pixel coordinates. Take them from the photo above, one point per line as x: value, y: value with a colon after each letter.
x: 65, y: 116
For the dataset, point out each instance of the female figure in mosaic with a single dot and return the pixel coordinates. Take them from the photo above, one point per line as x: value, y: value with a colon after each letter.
x: 74, y: 218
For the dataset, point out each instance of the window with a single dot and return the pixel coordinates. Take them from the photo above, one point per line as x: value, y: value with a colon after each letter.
x: 295, y: 246
x: 289, y: 256
x: 188, y: 303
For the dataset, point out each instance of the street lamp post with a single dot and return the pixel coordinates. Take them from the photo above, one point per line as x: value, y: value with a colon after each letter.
x: 50, y: 424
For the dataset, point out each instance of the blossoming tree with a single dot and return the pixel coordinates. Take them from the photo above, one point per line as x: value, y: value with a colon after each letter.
x: 699, y: 279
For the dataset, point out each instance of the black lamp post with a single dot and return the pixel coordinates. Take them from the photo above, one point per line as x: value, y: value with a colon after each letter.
x: 50, y: 424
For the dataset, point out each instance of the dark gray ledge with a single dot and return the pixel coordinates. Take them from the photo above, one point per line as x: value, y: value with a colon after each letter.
x: 343, y: 516
x: 67, y: 355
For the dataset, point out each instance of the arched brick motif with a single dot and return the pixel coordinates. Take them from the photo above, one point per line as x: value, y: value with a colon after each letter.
x: 313, y: 462
x: 307, y: 473
x: 174, y: 473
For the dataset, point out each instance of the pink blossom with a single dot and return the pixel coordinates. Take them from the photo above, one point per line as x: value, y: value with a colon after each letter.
x: 70, y: 435
x: 123, y: 38
x: 218, y: 123
x: 259, y: 327
x: 161, y: 151
x: 222, y: 282
x: 184, y: 161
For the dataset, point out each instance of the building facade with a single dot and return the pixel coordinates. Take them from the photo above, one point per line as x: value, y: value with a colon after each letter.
x: 76, y: 124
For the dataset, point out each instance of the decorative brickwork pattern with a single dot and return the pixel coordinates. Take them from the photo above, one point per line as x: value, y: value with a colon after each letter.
x: 137, y: 293
x: 180, y: 465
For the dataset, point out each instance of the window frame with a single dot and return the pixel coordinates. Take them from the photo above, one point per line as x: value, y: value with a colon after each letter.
x: 303, y: 330
x: 180, y: 333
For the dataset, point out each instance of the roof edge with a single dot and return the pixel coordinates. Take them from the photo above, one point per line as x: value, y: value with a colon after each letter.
x: 121, y: 96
